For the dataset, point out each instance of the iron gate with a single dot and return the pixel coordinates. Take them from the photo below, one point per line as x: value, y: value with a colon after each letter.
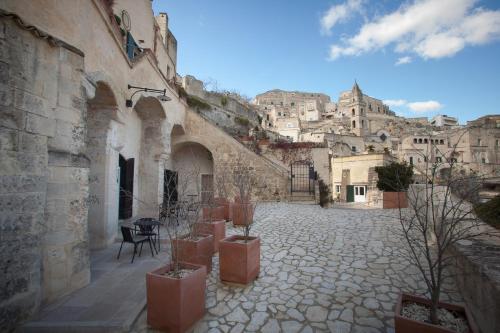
x: 302, y: 176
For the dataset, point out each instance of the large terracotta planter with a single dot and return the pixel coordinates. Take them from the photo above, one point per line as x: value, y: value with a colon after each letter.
x: 239, y: 262
x: 226, y: 206
x: 215, y: 228
x: 242, y: 213
x: 395, y: 200
x: 198, y: 251
x: 406, y: 325
x: 175, y: 305
x: 213, y: 213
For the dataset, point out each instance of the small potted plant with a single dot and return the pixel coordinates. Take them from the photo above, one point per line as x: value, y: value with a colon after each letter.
x: 194, y: 246
x: 175, y: 292
x: 222, y: 199
x: 239, y: 255
x: 394, y: 180
x: 439, y: 216
x: 212, y: 226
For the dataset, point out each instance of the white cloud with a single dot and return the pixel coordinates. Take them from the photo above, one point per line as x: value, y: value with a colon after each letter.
x: 338, y: 14
x: 418, y: 107
x: 425, y: 106
x: 428, y: 28
x: 395, y: 102
x: 403, y: 60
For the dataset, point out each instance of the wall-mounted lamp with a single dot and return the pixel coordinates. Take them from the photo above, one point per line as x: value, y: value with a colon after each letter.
x: 162, y: 98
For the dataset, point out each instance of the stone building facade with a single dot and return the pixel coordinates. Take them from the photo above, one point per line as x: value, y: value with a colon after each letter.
x: 65, y: 130
x: 354, y: 178
x: 81, y: 152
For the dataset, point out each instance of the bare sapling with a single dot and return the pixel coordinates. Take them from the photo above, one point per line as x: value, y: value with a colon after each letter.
x: 180, y: 209
x: 244, y: 181
x: 440, y: 214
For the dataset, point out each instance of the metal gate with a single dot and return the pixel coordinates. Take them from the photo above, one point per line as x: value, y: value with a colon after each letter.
x: 302, y: 176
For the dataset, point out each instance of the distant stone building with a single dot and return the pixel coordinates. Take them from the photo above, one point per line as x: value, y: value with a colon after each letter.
x: 354, y: 178
x: 443, y: 120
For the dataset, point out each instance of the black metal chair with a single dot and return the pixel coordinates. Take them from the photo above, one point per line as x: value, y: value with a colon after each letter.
x: 128, y: 237
x: 149, y: 231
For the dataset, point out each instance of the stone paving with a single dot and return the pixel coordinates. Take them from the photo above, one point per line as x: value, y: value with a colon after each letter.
x: 322, y: 270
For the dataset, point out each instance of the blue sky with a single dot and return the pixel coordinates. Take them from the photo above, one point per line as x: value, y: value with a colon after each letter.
x: 424, y: 57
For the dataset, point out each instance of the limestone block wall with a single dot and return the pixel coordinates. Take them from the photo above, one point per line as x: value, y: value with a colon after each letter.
x: 272, y: 179
x: 43, y: 174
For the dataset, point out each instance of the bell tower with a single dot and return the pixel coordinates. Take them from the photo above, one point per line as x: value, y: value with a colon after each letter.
x: 357, y: 112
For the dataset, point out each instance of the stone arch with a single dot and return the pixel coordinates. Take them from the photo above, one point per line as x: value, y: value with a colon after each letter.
x: 103, y: 188
x: 194, y: 163
x: 153, y: 155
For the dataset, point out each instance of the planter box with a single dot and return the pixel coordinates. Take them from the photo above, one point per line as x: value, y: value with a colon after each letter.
x: 226, y: 206
x: 406, y: 325
x: 215, y: 228
x: 175, y: 305
x: 242, y: 213
x: 239, y: 262
x: 395, y: 200
x: 197, y: 252
x: 217, y: 213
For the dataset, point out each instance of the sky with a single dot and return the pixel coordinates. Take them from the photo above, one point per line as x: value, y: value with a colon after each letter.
x: 422, y: 57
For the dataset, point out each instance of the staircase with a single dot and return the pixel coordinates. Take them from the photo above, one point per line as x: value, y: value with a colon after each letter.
x: 302, y: 198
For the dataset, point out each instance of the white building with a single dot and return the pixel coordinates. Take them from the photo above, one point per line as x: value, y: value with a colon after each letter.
x: 443, y: 120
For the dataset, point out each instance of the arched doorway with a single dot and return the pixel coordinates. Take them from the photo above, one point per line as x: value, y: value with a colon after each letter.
x: 194, y: 166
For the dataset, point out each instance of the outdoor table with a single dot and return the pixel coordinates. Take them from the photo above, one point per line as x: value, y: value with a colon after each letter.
x: 148, y: 225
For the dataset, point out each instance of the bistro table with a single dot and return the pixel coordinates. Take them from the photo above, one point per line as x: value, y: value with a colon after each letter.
x: 147, y: 226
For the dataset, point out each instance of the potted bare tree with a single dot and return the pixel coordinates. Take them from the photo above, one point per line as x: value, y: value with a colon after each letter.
x: 222, y: 184
x: 190, y: 244
x: 439, y: 215
x: 212, y: 225
x: 394, y: 180
x: 240, y: 254
x: 176, y: 292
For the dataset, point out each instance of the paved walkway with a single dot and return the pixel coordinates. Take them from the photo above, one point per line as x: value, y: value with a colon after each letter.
x: 111, y: 302
x: 322, y: 270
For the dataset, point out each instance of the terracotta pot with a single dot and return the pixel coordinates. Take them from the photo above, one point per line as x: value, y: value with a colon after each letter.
x: 242, y: 213
x: 225, y: 204
x: 215, y: 228
x: 217, y: 213
x: 175, y: 305
x: 395, y: 200
x: 198, y: 251
x: 239, y: 262
x: 406, y: 325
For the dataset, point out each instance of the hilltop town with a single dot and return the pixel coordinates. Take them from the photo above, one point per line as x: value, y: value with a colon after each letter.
x: 357, y: 128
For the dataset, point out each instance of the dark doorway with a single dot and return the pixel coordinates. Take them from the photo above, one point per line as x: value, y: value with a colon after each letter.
x: 126, y: 187
x: 170, y: 195
x: 302, y: 177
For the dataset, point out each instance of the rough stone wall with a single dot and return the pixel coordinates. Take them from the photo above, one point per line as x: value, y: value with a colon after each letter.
x: 319, y: 156
x: 272, y: 179
x: 478, y: 277
x: 43, y: 176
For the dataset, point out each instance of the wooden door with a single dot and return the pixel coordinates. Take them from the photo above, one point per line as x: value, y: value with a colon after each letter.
x: 350, y: 193
x: 126, y: 198
x: 207, y: 188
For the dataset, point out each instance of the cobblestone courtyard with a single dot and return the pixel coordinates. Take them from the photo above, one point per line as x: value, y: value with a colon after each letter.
x: 322, y: 270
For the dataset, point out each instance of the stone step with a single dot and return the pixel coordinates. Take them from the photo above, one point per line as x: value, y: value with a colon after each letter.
x: 302, y: 197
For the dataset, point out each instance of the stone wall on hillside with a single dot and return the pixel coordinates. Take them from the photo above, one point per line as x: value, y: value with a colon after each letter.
x: 271, y: 179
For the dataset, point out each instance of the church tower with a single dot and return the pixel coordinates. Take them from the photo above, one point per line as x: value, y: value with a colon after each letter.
x: 357, y: 112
